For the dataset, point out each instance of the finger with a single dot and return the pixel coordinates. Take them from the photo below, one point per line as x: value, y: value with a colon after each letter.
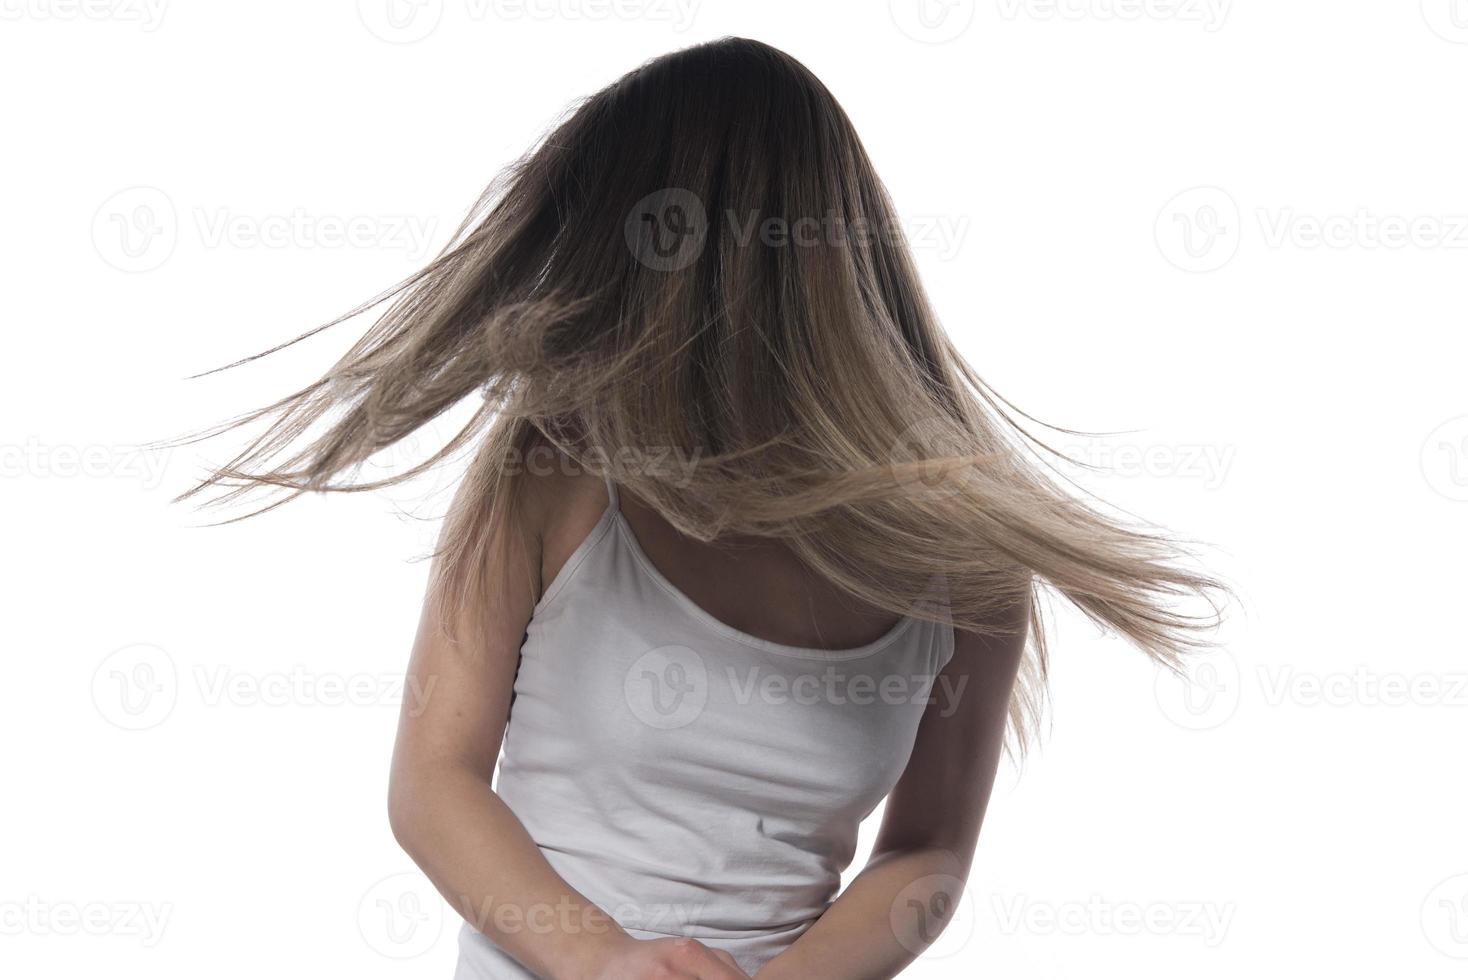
x: 721, y: 966
x: 706, y: 964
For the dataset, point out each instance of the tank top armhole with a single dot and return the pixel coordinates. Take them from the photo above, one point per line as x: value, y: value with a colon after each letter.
x: 568, y: 570
x: 947, y: 645
x: 945, y: 634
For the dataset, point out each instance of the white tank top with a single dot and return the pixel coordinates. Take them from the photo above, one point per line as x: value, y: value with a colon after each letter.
x: 688, y: 778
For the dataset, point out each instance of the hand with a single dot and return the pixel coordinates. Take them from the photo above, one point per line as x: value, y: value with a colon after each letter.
x: 668, y: 959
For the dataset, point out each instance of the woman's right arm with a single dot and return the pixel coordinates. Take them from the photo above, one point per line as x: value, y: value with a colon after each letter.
x: 457, y: 829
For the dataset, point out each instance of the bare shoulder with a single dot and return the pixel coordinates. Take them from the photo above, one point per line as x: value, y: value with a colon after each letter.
x: 561, y: 503
x: 1000, y: 645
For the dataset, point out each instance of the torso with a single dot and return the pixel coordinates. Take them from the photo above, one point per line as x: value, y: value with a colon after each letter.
x: 675, y: 756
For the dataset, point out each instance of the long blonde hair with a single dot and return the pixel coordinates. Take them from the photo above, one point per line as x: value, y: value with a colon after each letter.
x: 695, y: 285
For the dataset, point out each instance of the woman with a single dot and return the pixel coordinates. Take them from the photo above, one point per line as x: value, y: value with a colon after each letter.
x: 744, y: 548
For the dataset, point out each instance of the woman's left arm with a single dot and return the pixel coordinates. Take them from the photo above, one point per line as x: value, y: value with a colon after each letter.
x: 910, y: 887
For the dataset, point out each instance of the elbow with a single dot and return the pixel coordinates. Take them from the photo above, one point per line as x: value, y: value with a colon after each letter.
x: 426, y: 804
x: 404, y: 813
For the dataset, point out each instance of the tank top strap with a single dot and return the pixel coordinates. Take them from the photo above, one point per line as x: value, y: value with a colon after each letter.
x: 613, y: 503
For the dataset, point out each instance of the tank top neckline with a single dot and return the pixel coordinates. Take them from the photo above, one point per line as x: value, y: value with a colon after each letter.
x: 628, y: 537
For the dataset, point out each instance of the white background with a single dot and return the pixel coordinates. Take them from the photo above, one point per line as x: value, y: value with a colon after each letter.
x: 197, y: 722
